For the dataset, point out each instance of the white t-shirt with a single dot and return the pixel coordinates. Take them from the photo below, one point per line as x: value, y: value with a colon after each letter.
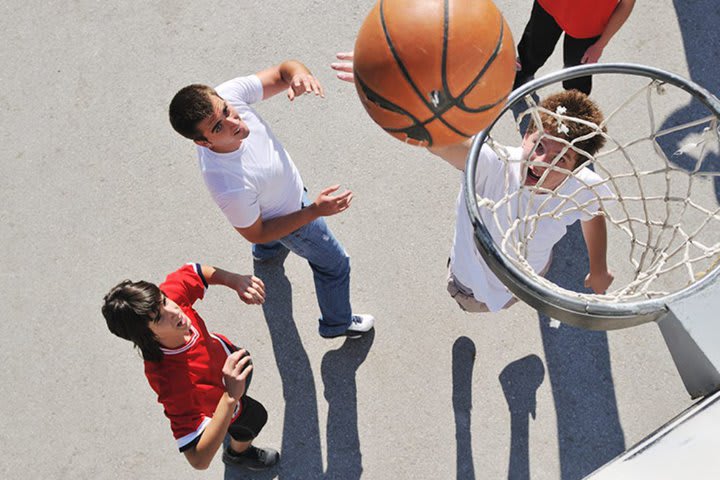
x: 259, y: 179
x: 496, y: 178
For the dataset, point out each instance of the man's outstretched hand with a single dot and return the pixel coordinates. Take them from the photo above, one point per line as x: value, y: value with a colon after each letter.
x: 304, y: 83
x: 344, y: 69
x: 326, y: 204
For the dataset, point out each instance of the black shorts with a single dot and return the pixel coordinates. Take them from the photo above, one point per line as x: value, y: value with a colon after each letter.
x: 246, y: 427
x: 251, y: 421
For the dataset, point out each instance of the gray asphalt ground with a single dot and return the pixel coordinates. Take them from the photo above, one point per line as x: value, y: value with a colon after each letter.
x: 96, y: 188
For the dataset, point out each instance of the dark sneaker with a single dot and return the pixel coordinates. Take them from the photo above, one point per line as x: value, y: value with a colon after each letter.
x: 253, y: 458
x: 359, y: 326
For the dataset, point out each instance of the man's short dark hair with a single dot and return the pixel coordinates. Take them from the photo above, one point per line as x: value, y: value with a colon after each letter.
x: 190, y: 106
x: 128, y: 308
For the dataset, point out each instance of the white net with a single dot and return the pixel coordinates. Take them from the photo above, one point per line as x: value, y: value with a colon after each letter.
x: 656, y: 181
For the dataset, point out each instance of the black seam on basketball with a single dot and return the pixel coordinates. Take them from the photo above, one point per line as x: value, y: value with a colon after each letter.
x: 416, y: 131
x: 459, y: 101
x: 487, y: 65
x: 450, y: 101
x: 399, y: 62
x: 408, y: 78
x: 443, y: 67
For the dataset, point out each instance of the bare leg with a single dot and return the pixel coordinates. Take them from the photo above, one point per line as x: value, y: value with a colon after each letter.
x: 239, y: 447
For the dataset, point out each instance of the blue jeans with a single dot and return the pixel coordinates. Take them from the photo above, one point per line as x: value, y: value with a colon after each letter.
x: 330, y: 265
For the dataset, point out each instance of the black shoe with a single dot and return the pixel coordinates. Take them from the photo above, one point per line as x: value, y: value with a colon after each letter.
x: 359, y: 326
x: 253, y: 458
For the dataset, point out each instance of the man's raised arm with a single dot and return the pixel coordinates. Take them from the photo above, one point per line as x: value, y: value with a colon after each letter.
x: 291, y: 76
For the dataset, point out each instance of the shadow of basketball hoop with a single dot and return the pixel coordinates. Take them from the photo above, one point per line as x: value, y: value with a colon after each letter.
x: 698, y: 23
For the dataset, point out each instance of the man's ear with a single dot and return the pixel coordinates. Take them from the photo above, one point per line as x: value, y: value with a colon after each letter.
x: 203, y: 143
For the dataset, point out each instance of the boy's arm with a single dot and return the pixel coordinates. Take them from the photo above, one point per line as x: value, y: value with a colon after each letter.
x: 292, y: 76
x: 455, y: 155
x: 263, y: 231
x: 236, y: 370
x: 249, y: 288
x: 617, y: 19
x: 595, y: 233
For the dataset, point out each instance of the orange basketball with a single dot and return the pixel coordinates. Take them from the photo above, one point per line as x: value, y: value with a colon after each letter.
x: 434, y: 72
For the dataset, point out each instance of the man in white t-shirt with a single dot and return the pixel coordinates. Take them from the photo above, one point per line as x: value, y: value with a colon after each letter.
x: 553, y: 197
x: 254, y: 181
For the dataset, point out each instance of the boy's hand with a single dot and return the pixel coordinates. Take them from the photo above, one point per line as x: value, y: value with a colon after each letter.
x: 250, y: 289
x: 326, y: 204
x: 592, y: 54
x: 236, y: 371
x: 303, y: 83
x: 344, y: 69
x: 599, y: 282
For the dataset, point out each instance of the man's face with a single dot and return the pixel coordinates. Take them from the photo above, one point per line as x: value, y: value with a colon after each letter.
x: 545, y: 153
x: 224, y: 129
x: 171, y: 324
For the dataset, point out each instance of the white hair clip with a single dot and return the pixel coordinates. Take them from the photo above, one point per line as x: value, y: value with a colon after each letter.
x: 561, y: 128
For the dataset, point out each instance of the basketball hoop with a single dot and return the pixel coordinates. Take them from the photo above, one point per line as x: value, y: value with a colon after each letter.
x: 664, y: 217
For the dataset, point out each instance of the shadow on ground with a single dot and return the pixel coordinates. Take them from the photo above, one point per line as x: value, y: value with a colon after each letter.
x: 698, y: 21
x: 301, y: 454
x: 578, y: 366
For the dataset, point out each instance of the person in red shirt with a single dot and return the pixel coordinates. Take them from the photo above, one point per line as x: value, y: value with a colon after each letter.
x: 200, y: 378
x: 588, y: 26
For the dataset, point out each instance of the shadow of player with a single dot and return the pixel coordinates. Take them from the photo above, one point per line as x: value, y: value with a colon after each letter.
x: 463, y: 360
x: 520, y: 380
x: 301, y: 453
x: 339, y: 368
x: 578, y: 366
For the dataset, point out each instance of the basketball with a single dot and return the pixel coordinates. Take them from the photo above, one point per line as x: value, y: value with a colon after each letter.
x: 434, y: 72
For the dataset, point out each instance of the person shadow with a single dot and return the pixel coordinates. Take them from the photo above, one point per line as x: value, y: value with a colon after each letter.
x: 578, y: 365
x: 300, y: 451
x: 577, y: 362
x: 339, y: 368
x: 463, y: 360
x: 520, y: 380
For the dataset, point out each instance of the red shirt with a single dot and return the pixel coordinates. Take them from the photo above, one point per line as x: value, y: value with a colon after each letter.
x: 188, y: 380
x: 580, y: 18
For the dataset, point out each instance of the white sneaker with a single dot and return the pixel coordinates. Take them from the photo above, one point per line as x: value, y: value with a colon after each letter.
x: 359, y: 326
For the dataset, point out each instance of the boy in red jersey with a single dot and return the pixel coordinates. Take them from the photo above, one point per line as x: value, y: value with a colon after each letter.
x: 200, y: 377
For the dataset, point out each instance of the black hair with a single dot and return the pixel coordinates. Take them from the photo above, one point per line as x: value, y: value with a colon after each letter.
x: 128, y: 308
